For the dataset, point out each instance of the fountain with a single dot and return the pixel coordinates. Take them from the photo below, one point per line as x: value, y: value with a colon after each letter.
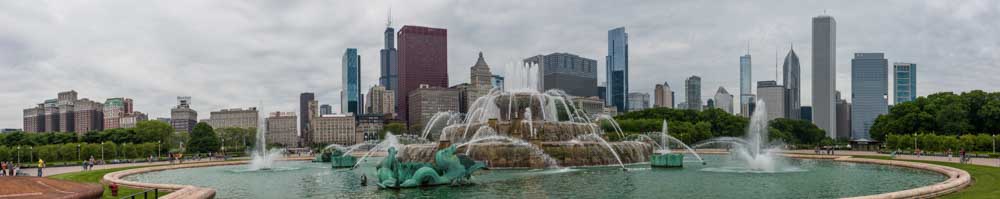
x: 339, y: 156
x: 663, y: 157
x: 261, y: 157
x: 754, y: 149
x: 523, y: 128
x: 448, y: 168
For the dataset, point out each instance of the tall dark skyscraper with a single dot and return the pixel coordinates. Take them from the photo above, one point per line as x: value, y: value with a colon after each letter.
x: 617, y: 69
x: 824, y: 73
x: 423, y: 59
x: 350, y: 96
x: 305, y: 119
x: 793, y: 84
x: 388, y: 58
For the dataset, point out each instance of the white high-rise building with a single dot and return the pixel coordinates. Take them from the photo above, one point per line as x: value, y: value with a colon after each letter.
x: 773, y: 96
x: 824, y: 73
x: 724, y: 100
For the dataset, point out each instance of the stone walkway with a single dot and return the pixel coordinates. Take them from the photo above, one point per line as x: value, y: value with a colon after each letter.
x: 993, y: 162
x: 35, y: 187
x: 49, y: 171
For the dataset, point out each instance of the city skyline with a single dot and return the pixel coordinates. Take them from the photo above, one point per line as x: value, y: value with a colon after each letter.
x: 119, y: 58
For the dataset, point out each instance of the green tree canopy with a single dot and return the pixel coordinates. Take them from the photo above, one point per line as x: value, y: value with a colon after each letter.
x: 203, y: 139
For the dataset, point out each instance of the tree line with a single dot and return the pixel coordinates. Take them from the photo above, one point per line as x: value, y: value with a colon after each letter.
x: 946, y: 113
x: 692, y: 126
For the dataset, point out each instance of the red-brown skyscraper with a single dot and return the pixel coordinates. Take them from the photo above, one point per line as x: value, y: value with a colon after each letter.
x: 423, y: 59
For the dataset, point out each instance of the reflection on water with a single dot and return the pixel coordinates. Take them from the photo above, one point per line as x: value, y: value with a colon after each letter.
x: 812, y: 179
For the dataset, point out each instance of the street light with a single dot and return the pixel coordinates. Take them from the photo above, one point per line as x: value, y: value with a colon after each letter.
x: 158, y: 143
x: 31, y: 153
x: 18, y: 155
x: 78, y: 152
x: 914, y: 143
x: 102, y: 151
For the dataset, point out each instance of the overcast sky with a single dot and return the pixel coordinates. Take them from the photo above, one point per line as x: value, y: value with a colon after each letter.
x: 237, y: 53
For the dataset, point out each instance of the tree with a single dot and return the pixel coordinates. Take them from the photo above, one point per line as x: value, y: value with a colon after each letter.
x: 796, y: 131
x: 153, y: 130
x: 394, y: 127
x: 203, y: 139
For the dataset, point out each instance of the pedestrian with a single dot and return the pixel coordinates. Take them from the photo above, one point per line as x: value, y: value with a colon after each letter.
x: 949, y: 154
x: 962, y: 156
x: 3, y: 165
x: 41, y: 164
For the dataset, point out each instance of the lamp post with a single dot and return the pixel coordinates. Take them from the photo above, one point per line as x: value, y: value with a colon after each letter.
x: 158, y: 143
x: 102, y: 151
x: 78, y: 152
x: 31, y: 153
x: 18, y: 155
x: 914, y: 143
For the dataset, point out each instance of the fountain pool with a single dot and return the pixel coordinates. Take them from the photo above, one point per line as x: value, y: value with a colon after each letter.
x: 815, y: 179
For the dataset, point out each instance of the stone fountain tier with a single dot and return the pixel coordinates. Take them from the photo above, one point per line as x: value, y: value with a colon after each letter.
x: 545, y: 131
x: 506, y: 155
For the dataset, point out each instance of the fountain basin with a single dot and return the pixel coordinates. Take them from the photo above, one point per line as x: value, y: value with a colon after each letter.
x: 847, y: 178
x: 669, y: 160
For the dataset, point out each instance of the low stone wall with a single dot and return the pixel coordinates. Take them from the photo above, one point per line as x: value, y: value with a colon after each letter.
x: 957, y: 178
x: 178, y: 191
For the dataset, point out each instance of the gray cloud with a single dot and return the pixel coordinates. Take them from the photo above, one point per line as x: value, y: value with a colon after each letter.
x: 237, y: 53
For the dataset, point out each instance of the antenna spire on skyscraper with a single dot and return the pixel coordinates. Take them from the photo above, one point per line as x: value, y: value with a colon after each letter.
x: 388, y: 21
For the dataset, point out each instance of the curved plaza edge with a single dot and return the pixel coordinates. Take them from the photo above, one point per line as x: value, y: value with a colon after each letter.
x: 957, y: 178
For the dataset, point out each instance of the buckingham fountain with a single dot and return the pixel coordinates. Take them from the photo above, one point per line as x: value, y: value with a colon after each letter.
x: 523, y: 143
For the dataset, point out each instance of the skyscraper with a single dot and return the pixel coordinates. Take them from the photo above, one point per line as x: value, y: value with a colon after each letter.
x: 906, y: 82
x: 387, y: 57
x: 664, y: 96
x: 325, y: 109
x: 305, y: 118
x: 693, y: 92
x: 824, y: 71
x: 745, y: 82
x: 617, y: 69
x: 423, y: 59
x: 182, y: 117
x: 480, y: 80
x: 381, y: 101
x: 793, y: 84
x: 638, y: 101
x: 724, y: 100
x: 869, y: 92
x: 350, y: 97
x: 575, y: 75
x: 773, y: 96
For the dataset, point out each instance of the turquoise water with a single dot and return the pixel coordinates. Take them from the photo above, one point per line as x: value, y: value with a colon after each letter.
x: 804, y: 179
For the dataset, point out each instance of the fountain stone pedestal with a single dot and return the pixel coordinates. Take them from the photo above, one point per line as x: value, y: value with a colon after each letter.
x: 670, y: 160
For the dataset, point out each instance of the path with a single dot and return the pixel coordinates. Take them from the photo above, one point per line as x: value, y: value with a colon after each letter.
x: 49, y: 171
x: 35, y: 187
x: 993, y: 162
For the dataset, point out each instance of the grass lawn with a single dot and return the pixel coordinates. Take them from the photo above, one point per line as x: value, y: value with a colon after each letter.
x: 95, y: 176
x: 985, y: 179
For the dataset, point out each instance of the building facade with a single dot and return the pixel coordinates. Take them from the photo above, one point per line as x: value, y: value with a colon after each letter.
x: 427, y: 101
x: 281, y: 129
x: 114, y: 110
x: 325, y: 109
x: 905, y: 82
x: 638, y: 101
x: 381, y: 101
x: 746, y: 82
x: 692, y: 90
x: 792, y: 79
x: 773, y: 96
x: 575, y: 75
x: 663, y: 96
x: 235, y: 118
x: 481, y: 81
x: 869, y: 92
x: 617, y: 69
x: 843, y: 118
x: 724, y: 100
x: 350, y: 96
x: 824, y: 71
x: 423, y: 59
x: 65, y: 114
x: 498, y: 82
x: 334, y: 129
x: 129, y: 120
x: 182, y: 117
x: 305, y: 118
x: 387, y: 59
x: 369, y: 127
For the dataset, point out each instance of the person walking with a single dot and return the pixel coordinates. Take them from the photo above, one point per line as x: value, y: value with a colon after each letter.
x: 949, y: 154
x: 962, y: 156
x: 41, y: 164
x: 3, y: 165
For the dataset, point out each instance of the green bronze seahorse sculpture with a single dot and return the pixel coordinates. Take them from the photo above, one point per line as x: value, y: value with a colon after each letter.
x: 448, y: 168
